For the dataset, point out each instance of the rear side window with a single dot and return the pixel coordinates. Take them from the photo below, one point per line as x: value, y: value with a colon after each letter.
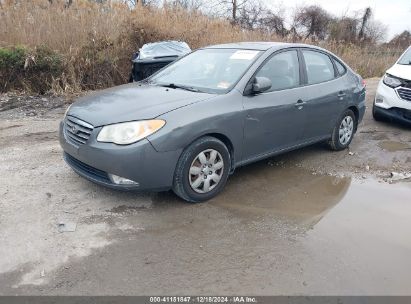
x: 340, y: 67
x: 283, y: 71
x: 319, y: 67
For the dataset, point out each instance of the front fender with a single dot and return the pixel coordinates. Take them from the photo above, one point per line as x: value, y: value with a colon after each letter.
x: 222, y: 115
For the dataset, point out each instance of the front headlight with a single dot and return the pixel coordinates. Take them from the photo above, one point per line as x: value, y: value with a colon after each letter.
x: 391, y: 81
x: 126, y: 133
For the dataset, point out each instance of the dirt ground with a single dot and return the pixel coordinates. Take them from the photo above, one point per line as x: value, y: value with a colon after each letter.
x: 310, y: 222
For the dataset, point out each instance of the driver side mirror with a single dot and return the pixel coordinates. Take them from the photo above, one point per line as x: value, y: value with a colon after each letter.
x: 261, y: 84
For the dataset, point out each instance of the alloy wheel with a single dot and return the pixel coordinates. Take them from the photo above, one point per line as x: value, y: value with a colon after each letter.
x: 346, y: 130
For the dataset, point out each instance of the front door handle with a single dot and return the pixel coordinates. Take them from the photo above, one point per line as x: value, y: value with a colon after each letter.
x: 300, y: 104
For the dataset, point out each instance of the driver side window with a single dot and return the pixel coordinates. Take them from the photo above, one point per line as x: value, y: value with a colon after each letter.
x: 283, y: 71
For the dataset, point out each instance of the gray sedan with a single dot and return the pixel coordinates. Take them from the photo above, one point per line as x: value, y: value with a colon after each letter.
x: 192, y: 123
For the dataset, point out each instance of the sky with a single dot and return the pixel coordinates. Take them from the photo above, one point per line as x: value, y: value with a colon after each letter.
x: 395, y: 14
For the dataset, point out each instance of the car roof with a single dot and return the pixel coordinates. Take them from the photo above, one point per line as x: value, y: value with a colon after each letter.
x: 259, y: 45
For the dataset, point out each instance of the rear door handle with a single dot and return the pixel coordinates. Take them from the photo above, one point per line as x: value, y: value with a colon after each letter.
x: 300, y: 104
x: 341, y: 95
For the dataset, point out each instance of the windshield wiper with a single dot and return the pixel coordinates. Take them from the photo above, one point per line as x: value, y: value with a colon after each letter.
x: 178, y: 86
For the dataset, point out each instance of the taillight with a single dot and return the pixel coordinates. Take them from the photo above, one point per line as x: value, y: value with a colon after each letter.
x: 361, y: 81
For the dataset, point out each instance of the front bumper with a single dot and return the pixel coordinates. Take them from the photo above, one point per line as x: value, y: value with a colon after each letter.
x: 139, y: 162
x: 387, y: 103
x: 396, y: 114
x: 387, y: 98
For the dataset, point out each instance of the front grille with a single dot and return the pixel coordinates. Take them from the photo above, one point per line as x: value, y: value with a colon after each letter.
x: 406, y: 83
x: 404, y: 93
x: 86, y: 170
x: 77, y: 131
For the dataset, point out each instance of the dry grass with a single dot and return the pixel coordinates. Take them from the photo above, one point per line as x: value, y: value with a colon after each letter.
x: 96, y: 41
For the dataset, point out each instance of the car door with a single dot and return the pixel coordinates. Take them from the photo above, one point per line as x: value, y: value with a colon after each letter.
x: 275, y: 119
x: 326, y: 94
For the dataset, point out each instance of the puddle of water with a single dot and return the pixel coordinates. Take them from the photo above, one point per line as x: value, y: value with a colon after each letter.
x: 353, y: 235
x: 299, y: 195
x: 393, y: 146
x: 291, y: 192
x: 364, y: 240
x: 322, y: 234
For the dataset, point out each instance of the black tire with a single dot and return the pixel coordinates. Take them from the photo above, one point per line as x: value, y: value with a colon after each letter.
x: 375, y: 114
x: 181, y: 183
x: 335, y: 143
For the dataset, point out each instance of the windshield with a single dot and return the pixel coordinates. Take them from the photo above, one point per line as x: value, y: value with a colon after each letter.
x: 207, y: 70
x: 406, y: 57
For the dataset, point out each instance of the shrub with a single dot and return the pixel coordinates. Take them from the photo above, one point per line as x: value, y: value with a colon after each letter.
x: 31, y: 70
x: 88, y: 45
x: 11, y: 66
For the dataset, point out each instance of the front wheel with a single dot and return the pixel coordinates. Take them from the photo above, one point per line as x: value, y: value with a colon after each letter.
x: 202, y: 170
x: 343, y: 132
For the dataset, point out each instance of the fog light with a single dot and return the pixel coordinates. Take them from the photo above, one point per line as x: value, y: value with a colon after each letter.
x: 379, y: 99
x: 121, y: 180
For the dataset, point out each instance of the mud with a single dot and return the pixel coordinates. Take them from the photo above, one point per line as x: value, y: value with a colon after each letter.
x: 310, y: 222
x: 393, y: 146
x: 26, y: 105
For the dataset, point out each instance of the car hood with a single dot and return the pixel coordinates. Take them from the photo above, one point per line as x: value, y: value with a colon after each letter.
x: 401, y: 71
x: 131, y: 102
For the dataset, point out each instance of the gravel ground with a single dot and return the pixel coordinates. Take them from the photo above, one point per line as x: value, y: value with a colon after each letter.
x: 307, y: 222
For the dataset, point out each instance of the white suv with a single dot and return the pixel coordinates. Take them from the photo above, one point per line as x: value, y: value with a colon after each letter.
x: 393, y: 98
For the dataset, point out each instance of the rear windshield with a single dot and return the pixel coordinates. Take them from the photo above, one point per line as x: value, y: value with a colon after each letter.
x: 406, y: 57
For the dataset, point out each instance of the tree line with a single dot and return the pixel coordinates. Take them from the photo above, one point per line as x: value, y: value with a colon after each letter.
x: 305, y: 22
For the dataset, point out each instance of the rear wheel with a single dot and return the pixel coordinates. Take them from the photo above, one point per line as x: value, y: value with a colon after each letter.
x: 343, y: 132
x: 202, y: 170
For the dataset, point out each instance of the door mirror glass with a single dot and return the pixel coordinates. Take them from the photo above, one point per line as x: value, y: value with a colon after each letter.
x: 261, y: 84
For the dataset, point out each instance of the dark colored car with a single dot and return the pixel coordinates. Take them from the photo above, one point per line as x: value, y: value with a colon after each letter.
x: 191, y: 124
x: 155, y: 56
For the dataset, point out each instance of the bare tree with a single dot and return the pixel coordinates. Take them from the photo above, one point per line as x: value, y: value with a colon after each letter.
x: 375, y: 32
x: 402, y: 40
x: 251, y: 15
x: 230, y: 8
x: 191, y: 5
x: 343, y: 29
x: 139, y: 2
x: 364, y: 21
x: 312, y: 20
x: 275, y: 22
